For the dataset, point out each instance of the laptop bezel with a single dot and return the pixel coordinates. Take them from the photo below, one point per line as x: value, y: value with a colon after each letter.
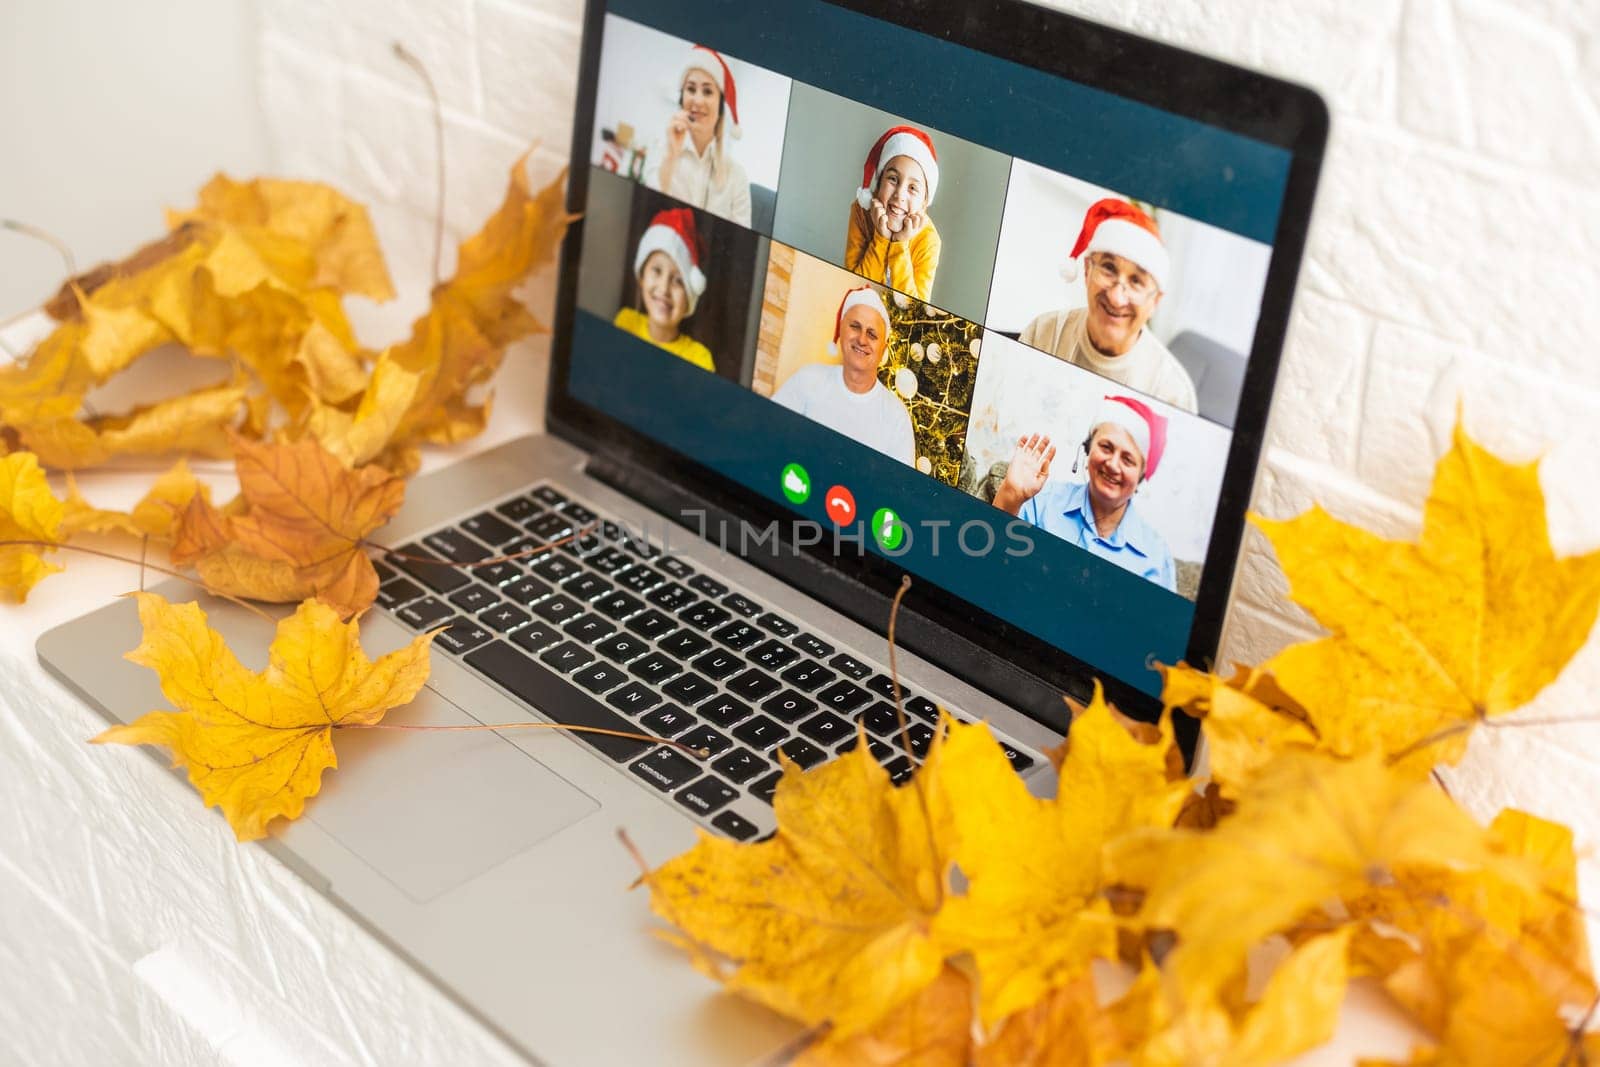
x: 987, y: 652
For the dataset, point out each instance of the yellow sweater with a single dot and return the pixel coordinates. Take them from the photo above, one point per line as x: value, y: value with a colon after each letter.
x: 683, y: 346
x: 908, y: 266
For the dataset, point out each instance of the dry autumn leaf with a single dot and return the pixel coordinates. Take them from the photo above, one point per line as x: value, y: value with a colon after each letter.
x: 1034, y: 915
x: 830, y: 920
x: 1247, y: 719
x: 28, y: 512
x: 1469, y: 622
x: 301, y: 531
x: 256, y: 744
x: 932, y: 1029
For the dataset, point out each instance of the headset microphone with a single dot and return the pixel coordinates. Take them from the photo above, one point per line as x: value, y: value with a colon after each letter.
x: 1083, y: 451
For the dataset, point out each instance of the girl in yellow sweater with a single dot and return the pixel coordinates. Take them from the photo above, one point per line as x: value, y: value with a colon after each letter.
x: 891, y: 239
x: 666, y: 269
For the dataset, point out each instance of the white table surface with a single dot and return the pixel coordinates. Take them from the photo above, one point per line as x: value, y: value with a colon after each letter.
x: 134, y: 929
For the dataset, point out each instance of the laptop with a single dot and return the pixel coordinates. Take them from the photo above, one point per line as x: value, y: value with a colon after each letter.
x: 980, y: 294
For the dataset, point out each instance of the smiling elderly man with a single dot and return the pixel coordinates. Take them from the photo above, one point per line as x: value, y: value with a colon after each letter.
x: 847, y: 396
x: 1125, y: 273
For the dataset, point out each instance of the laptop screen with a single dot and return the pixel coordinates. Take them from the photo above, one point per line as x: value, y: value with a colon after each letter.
x: 980, y: 320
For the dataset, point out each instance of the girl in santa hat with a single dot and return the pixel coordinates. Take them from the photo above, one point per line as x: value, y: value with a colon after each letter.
x: 668, y: 283
x: 694, y: 165
x: 891, y: 239
x: 1121, y: 450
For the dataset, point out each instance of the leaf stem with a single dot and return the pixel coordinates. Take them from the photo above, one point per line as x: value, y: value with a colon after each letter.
x: 894, y: 668
x: 142, y: 565
x: 410, y: 60
x: 47, y: 237
x: 698, y: 753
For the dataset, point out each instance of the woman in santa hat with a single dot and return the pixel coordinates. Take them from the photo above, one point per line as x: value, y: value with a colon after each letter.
x: 891, y: 239
x: 694, y: 165
x: 1125, y: 270
x: 1122, y: 451
x: 668, y: 283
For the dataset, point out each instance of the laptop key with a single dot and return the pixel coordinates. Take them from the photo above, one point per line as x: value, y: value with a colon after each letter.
x: 900, y: 769
x: 455, y: 545
x: 608, y: 560
x: 883, y: 685
x: 556, y: 698
x: 622, y: 647
x: 807, y: 675
x: 490, y: 528
x: 922, y: 707
x: 752, y: 684
x: 689, y: 687
x: 440, y: 577
x: 639, y: 578
x: 705, y: 616
x: 844, y: 697
x: 707, y: 586
x: 397, y: 591
x: 739, y: 635
x: 519, y: 509
x: 882, y: 720
x: 600, y: 677
x: 724, y: 710
x: 656, y: 669
x: 773, y: 655
x: 618, y: 605
x: 463, y: 635
x: 849, y: 666
x: 423, y: 614
x: 779, y: 625
x: 921, y: 735
x: 718, y: 663
x: 789, y: 706
x: 633, y: 698
x: 707, y: 795
x: 735, y: 825
x: 880, y: 751
x: 760, y: 733
x: 551, y: 526
x: 813, y: 646
x: 549, y: 496
x: 802, y: 752
x: 497, y: 573
x: 589, y: 628
x: 826, y: 728
x: 383, y: 571
x: 556, y: 568
x: 668, y: 720
x: 675, y: 567
x: 579, y: 514
x: 651, y: 623
x: 764, y: 788
x: 557, y: 608
x: 1020, y: 761
x: 567, y: 657
x: 473, y: 599
x: 586, y: 586
x: 526, y: 590
x: 536, y: 637
x: 740, y: 765
x: 503, y: 617
x: 705, y: 738
x: 740, y: 604
x: 685, y: 644
x: 671, y: 597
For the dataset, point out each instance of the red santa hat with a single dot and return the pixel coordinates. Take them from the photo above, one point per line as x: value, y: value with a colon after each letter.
x: 898, y: 141
x: 1117, y: 227
x: 702, y: 58
x: 673, y: 232
x: 1147, y: 428
x: 861, y: 295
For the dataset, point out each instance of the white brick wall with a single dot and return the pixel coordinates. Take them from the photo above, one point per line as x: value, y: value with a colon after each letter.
x: 1452, y: 254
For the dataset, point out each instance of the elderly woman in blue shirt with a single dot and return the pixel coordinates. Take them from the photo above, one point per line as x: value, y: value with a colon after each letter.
x: 1122, y: 450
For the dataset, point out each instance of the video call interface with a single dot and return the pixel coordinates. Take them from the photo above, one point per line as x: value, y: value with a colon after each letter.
x: 1065, y: 353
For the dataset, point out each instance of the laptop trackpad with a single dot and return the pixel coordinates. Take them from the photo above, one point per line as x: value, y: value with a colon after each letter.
x: 432, y: 811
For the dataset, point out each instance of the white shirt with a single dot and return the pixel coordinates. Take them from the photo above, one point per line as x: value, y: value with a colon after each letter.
x: 875, y: 418
x: 1146, y: 367
x: 691, y: 181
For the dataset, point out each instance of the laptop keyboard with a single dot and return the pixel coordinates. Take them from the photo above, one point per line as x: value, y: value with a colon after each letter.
x: 606, y: 631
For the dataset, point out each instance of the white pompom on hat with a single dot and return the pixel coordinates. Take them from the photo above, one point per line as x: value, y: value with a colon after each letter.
x: 898, y: 141
x: 705, y: 59
x: 1117, y: 227
x: 673, y: 231
x: 860, y: 296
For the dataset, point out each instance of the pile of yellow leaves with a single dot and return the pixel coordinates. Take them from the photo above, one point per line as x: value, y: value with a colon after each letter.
x: 322, y: 431
x: 1140, y: 917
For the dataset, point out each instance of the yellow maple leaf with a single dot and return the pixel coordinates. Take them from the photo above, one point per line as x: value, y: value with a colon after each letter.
x: 1247, y: 719
x: 28, y: 512
x: 196, y: 422
x: 1034, y: 914
x: 830, y: 920
x: 1068, y: 1028
x: 1471, y: 621
x: 256, y: 743
x: 300, y: 531
x: 932, y: 1029
x: 154, y: 515
x: 1310, y: 828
